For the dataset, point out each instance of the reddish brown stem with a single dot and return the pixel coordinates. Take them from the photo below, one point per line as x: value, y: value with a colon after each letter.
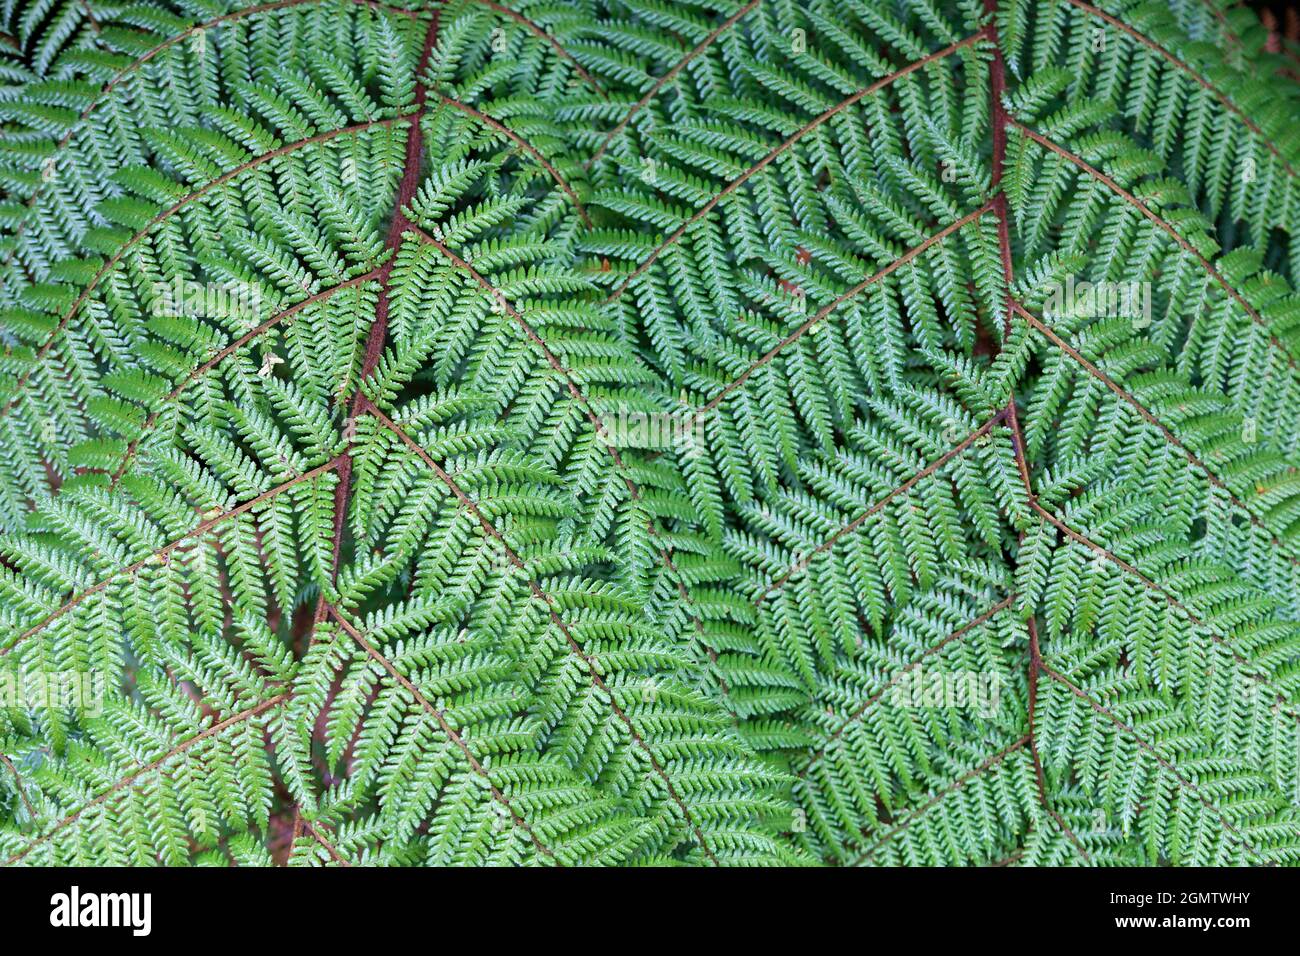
x: 378, y: 334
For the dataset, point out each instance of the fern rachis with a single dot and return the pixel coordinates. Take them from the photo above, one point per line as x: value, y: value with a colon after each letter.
x: 656, y: 440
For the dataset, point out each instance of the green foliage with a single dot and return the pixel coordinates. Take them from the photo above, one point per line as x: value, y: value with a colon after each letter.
x: 640, y: 433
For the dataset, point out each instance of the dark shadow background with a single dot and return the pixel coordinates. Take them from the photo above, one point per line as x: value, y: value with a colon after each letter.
x: 1282, y: 18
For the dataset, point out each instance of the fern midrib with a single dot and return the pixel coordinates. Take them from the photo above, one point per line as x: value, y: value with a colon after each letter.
x: 1186, y: 68
x: 1163, y: 224
x: 161, y: 553
x: 999, y: 120
x: 786, y: 145
x: 440, y: 719
x: 934, y: 466
x: 151, y: 767
x: 287, y: 315
x: 667, y: 78
x: 553, y: 613
x: 164, y: 215
x: 377, y: 337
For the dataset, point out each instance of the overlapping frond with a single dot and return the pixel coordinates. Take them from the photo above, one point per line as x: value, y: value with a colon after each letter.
x: 710, y: 433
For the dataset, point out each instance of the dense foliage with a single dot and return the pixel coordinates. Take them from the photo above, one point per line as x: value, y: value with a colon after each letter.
x: 648, y: 431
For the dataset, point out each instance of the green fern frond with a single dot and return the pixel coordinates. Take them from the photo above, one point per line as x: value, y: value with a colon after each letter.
x: 642, y: 433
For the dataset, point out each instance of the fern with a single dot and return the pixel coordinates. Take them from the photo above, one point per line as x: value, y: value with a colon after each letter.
x: 643, y: 433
